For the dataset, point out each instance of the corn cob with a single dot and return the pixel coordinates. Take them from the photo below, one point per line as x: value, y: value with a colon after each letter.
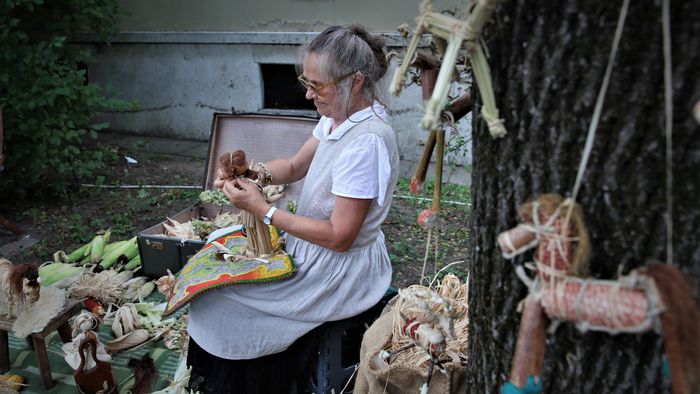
x: 98, y: 246
x: 55, y: 272
x: 14, y: 381
x: 133, y: 249
x: 48, y: 268
x: 78, y: 254
x: 108, y: 259
x: 133, y: 263
x: 86, y: 252
x: 125, y: 276
x: 111, y: 246
x: 139, y: 289
x: 129, y: 249
x: 146, y: 290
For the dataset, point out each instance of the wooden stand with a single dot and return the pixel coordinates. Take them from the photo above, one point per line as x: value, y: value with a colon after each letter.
x: 36, y: 340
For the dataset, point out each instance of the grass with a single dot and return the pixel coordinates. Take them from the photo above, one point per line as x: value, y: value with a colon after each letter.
x: 68, y: 223
x: 406, y: 240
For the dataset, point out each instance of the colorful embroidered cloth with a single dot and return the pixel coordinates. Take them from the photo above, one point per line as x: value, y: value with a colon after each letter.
x: 206, y: 271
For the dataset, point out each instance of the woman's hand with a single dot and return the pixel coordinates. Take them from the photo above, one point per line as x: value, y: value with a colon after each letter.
x: 220, y: 179
x: 248, y: 197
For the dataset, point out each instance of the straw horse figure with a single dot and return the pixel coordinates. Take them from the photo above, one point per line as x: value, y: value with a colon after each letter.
x: 19, y: 283
x: 656, y: 297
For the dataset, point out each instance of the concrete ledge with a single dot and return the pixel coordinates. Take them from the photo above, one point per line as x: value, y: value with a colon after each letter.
x: 222, y: 37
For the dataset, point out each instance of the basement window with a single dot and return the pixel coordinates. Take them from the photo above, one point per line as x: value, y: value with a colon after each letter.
x: 281, y: 89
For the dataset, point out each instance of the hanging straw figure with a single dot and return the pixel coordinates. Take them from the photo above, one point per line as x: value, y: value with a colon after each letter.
x: 651, y: 298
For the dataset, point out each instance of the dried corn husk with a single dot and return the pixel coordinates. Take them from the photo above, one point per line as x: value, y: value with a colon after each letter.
x: 126, y: 319
x: 199, y: 229
x: 273, y: 193
x: 166, y: 284
x: 226, y: 219
x: 175, y: 229
x: 106, y: 287
x: 137, y: 289
x: 36, y: 316
x: 127, y: 341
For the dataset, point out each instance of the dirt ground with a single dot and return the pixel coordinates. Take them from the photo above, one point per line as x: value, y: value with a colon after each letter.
x: 67, y: 222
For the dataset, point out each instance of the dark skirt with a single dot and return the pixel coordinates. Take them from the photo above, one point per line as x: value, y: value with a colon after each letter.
x: 285, y: 372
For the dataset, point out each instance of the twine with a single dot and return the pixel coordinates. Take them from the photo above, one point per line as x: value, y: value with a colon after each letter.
x: 541, y: 230
x: 425, y: 257
x: 524, y: 248
x: 668, y: 108
x: 598, y: 108
x: 552, y: 296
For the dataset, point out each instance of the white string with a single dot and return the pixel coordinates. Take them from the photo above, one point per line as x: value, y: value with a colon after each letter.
x: 668, y: 107
x: 357, y: 366
x: 598, y: 108
x: 425, y: 257
x: 437, y: 244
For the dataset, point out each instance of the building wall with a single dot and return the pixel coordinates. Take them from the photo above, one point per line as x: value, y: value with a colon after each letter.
x: 272, y: 15
x: 181, y: 61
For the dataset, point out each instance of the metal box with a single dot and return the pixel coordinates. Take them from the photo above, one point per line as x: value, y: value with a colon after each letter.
x: 263, y: 138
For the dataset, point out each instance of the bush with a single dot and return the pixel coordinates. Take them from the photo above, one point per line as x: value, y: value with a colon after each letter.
x: 46, y: 101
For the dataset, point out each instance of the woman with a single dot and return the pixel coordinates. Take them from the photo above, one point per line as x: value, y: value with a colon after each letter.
x: 349, y: 167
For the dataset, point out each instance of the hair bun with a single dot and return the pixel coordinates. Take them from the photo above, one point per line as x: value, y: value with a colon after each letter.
x: 376, y: 43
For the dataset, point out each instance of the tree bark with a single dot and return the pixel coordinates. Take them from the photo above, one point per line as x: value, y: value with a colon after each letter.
x: 548, y: 59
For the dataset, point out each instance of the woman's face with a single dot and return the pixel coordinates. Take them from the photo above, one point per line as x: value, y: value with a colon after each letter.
x: 319, y: 89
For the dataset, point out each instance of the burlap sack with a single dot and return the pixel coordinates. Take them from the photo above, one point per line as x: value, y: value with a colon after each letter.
x: 375, y: 376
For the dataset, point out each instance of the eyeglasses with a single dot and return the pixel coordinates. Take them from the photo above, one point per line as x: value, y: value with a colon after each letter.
x: 320, y: 86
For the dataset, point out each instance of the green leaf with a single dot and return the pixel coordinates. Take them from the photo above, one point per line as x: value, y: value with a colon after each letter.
x: 100, y: 180
x: 46, y: 104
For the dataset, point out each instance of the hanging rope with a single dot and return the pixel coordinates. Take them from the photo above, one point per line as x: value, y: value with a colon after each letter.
x: 425, y: 257
x: 668, y: 107
x: 598, y: 107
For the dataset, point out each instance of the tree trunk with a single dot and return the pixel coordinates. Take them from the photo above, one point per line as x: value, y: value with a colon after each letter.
x: 548, y: 59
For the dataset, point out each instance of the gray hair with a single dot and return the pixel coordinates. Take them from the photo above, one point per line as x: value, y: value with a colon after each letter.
x: 346, y: 50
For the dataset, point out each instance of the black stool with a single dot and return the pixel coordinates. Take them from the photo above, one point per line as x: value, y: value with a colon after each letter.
x: 338, y: 348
